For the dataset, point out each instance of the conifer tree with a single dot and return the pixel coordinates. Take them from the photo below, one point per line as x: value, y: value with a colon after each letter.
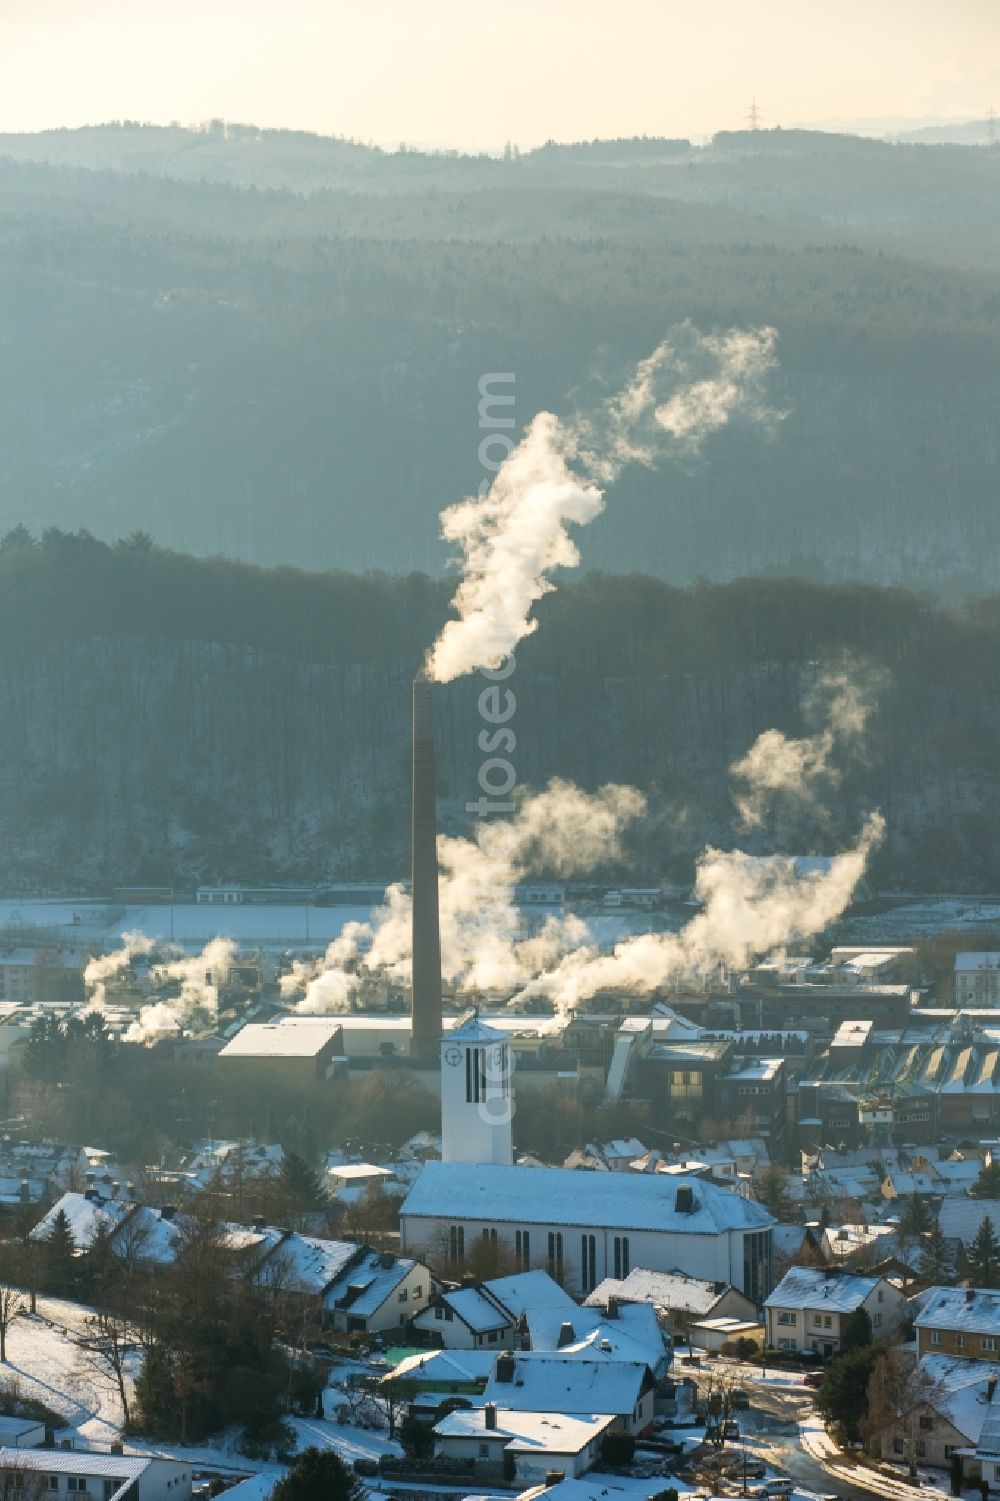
x: 984, y: 1256
x: 60, y: 1253
x: 937, y: 1265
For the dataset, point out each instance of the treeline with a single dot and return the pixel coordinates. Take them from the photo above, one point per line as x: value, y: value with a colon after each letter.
x: 165, y: 719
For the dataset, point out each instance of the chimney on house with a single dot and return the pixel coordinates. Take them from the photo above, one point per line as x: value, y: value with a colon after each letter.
x: 684, y: 1202
x: 970, y: 1295
x: 567, y: 1334
x: 504, y: 1368
x: 168, y: 1211
x: 612, y: 1307
x: 490, y: 1415
x: 425, y: 1002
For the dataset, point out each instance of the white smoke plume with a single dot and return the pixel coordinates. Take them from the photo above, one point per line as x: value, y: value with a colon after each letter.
x: 199, y: 976
x: 104, y: 967
x: 512, y: 539
x: 560, y: 829
x: 800, y: 772
x: 751, y: 905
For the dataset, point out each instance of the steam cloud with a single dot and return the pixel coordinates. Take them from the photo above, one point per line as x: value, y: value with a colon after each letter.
x: 512, y: 539
x: 800, y: 772
x: 198, y: 976
x: 752, y: 905
x: 104, y: 967
x: 560, y: 829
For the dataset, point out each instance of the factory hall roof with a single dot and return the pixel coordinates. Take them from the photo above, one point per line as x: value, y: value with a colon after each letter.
x: 292, y: 1037
x: 498, y: 1194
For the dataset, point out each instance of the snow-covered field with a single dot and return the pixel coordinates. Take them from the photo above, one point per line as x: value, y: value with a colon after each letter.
x: 78, y: 921
x: 45, y: 1360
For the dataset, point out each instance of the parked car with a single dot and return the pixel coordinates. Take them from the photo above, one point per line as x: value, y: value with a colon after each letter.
x: 783, y: 1487
x: 730, y: 1429
x: 814, y: 1379
x: 738, y: 1398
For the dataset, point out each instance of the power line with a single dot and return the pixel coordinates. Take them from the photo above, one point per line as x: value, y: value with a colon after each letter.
x: 753, y: 115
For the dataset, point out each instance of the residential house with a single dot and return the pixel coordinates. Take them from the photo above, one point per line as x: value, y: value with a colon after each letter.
x: 529, y: 1311
x: 960, y: 1321
x: 352, y: 1288
x: 949, y: 1403
x: 138, y: 1232
x: 810, y: 1307
x: 959, y: 1221
x: 677, y: 1298
x: 21, y: 1433
x: 534, y: 1444
x: 977, y: 979
x: 535, y: 1382
x: 438, y: 1374
x: 79, y: 1474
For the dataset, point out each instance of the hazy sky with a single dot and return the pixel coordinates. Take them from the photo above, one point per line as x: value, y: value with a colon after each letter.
x: 476, y: 72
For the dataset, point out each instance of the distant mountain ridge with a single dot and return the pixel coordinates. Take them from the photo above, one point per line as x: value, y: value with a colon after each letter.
x: 284, y: 366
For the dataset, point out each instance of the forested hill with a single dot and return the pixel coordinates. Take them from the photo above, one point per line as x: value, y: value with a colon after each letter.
x: 270, y: 345
x: 166, y: 719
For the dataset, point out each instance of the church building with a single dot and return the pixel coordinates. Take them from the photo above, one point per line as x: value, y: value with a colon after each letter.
x: 579, y: 1226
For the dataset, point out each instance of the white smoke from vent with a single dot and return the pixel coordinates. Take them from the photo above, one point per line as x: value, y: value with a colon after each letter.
x: 104, y: 967
x: 560, y: 829
x: 751, y: 905
x: 801, y: 773
x: 197, y: 1004
x: 196, y: 978
x: 515, y: 537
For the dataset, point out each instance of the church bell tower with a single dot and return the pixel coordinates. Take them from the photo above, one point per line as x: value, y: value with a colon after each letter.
x: 477, y: 1104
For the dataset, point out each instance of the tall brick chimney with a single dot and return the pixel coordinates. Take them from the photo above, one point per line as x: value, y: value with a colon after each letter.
x: 425, y: 1004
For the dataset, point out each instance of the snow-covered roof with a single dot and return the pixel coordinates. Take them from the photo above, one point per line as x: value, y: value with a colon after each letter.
x: 291, y: 1037
x: 672, y: 1290
x: 469, y: 1028
x: 973, y: 1310
x: 556, y: 1432
x: 960, y: 1219
x: 634, y: 1336
x: 476, y: 1311
x: 309, y: 1263
x: 85, y: 1216
x: 543, y: 1382
x: 958, y: 1390
x: 529, y: 1293
x: 366, y: 1286
x: 550, y: 1195
x: 976, y: 960
x: 842, y: 1241
x: 14, y: 1427
x: 761, y: 1069
x: 125, y: 1468
x: 786, y: 1240
x: 453, y: 1367
x: 355, y: 1172
x: 812, y: 1287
